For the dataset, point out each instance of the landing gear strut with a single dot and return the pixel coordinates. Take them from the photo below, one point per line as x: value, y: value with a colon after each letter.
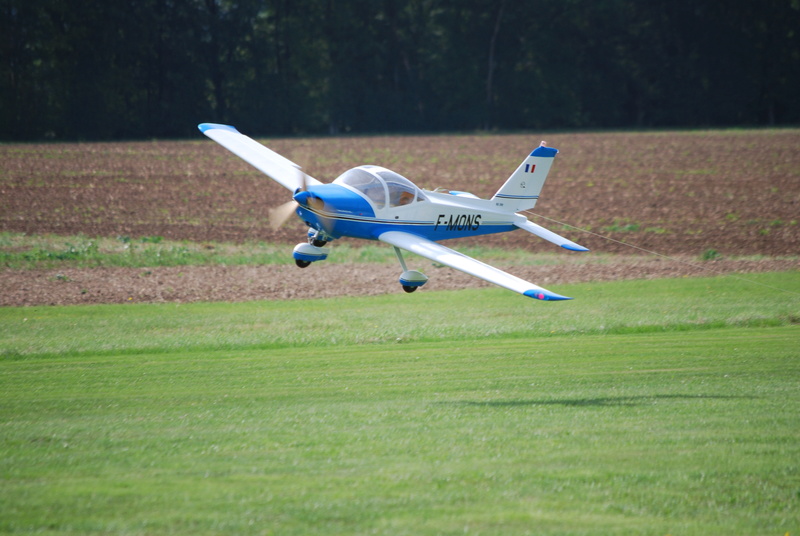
x: 317, y: 238
x: 410, y: 280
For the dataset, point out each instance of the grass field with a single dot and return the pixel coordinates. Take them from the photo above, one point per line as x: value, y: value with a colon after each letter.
x: 19, y: 251
x: 646, y: 407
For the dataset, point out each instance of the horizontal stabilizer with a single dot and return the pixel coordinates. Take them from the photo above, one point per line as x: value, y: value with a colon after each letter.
x: 444, y: 255
x: 549, y: 235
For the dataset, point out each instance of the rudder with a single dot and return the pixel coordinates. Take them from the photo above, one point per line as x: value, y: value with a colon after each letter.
x: 522, y: 188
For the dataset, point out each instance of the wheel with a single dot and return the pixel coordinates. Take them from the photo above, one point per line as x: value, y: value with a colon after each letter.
x: 301, y: 264
x: 409, y: 289
x: 318, y: 243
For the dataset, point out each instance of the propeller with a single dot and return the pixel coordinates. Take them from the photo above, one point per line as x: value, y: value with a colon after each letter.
x: 279, y: 215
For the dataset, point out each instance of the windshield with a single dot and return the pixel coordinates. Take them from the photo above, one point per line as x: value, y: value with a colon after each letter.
x: 366, y: 183
x: 379, y: 184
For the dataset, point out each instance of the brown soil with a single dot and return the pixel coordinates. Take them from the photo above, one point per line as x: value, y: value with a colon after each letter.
x: 323, y: 280
x: 678, y: 194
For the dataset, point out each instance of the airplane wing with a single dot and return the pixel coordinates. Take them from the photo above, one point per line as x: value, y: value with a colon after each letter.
x: 278, y: 168
x: 443, y: 255
x: 549, y: 235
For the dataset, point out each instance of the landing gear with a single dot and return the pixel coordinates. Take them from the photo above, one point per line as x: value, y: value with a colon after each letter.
x: 304, y: 254
x: 410, y: 280
x: 312, y: 250
x: 317, y: 238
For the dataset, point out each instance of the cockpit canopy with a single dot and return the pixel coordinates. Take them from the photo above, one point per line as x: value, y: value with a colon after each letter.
x: 380, y: 185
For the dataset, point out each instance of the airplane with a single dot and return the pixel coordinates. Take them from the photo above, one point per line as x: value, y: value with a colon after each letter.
x: 375, y: 203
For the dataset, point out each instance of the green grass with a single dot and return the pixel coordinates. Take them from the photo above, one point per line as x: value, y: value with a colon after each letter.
x: 607, y: 308
x: 661, y: 407
x: 25, y: 252
x: 19, y: 251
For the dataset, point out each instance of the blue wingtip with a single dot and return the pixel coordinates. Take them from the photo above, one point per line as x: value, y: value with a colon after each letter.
x: 215, y: 126
x: 576, y: 247
x: 545, y: 295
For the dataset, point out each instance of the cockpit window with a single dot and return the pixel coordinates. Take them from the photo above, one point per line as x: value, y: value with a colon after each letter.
x: 401, y: 190
x: 377, y: 182
x: 366, y: 183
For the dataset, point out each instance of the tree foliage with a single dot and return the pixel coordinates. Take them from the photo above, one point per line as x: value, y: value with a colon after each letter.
x: 155, y: 68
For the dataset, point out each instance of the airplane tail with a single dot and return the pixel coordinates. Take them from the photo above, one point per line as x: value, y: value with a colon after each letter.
x: 522, y: 188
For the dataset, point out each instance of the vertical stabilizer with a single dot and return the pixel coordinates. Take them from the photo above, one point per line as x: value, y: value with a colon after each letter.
x: 522, y: 188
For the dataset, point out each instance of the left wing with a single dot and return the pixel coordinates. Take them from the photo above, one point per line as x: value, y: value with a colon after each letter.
x: 443, y: 255
x: 277, y: 167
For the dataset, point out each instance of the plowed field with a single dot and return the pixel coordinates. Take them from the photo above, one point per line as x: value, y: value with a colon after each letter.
x: 677, y: 193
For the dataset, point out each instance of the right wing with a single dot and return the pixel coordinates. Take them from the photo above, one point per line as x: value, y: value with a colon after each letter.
x: 278, y: 168
x: 444, y: 255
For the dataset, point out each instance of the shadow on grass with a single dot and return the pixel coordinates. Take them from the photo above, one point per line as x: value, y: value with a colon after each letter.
x: 625, y: 401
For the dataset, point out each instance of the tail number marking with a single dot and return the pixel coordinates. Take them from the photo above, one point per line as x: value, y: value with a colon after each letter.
x: 459, y: 222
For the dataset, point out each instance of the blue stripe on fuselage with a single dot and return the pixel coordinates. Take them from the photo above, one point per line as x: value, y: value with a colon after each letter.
x: 346, y: 213
x: 370, y: 228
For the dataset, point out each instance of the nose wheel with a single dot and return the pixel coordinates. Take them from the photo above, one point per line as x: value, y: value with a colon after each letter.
x: 304, y: 254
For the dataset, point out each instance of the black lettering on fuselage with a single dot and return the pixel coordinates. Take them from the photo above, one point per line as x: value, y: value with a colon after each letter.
x: 459, y: 222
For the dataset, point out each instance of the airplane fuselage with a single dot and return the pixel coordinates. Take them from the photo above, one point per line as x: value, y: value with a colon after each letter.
x: 340, y: 211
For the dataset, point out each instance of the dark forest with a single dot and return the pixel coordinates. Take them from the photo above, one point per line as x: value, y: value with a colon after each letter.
x: 101, y: 70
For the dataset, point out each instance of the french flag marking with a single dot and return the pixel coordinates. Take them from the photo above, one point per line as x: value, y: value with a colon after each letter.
x: 529, y: 168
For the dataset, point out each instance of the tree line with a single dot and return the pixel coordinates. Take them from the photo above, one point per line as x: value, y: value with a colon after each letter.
x: 98, y: 69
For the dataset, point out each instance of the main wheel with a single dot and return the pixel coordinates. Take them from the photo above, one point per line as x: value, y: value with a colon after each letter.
x: 301, y: 264
x: 318, y: 243
x: 409, y: 289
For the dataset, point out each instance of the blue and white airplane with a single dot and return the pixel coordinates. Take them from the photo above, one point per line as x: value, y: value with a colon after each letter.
x: 374, y: 203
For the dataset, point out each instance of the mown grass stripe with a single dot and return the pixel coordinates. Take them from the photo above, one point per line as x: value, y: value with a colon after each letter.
x: 689, y: 433
x: 631, y: 307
